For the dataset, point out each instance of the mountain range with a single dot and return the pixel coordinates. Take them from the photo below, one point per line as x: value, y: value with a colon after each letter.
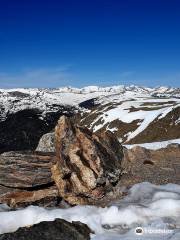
x: 136, y: 115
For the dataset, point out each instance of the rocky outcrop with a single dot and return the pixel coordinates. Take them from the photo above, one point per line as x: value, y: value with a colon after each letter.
x: 87, y: 168
x: 56, y: 230
x: 47, y: 143
x: 25, y: 169
x: 25, y: 177
x: 156, y: 166
x: 88, y: 165
x: 84, y: 169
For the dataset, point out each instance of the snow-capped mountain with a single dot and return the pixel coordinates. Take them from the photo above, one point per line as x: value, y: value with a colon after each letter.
x: 135, y: 114
x: 47, y: 100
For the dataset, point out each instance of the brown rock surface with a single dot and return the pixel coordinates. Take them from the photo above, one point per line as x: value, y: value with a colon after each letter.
x: 156, y: 166
x: 25, y: 177
x: 88, y: 165
x: 25, y: 169
x: 45, y: 197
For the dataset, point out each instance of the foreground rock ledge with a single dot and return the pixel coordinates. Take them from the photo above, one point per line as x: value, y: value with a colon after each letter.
x: 25, y: 169
x: 25, y: 178
x: 88, y: 165
x: 56, y: 230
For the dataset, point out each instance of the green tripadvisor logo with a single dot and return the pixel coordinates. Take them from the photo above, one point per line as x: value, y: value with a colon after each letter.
x: 139, y: 231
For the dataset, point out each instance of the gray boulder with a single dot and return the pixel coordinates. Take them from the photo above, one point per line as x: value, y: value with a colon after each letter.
x: 46, y: 143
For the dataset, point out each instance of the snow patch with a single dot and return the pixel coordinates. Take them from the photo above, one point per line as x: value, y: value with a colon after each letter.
x: 156, y: 209
x: 154, y: 145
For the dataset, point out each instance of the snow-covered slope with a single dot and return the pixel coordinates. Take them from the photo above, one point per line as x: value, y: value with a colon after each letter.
x: 128, y: 114
x: 155, y: 145
x: 45, y: 100
x: 13, y: 100
x: 136, y: 115
x: 128, y: 111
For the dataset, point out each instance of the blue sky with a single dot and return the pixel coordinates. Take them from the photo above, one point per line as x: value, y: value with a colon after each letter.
x: 89, y: 42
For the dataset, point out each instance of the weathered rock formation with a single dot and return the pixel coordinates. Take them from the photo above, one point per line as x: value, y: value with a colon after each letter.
x: 83, y: 170
x: 88, y: 165
x: 26, y: 178
x: 87, y: 168
x: 55, y: 230
x: 25, y: 170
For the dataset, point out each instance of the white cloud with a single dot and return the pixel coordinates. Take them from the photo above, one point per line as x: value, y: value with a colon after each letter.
x: 43, y: 77
x: 126, y: 74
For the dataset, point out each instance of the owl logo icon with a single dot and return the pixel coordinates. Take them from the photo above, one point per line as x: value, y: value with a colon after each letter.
x: 139, y: 231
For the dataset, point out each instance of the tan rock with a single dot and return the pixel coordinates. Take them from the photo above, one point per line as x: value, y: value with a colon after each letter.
x: 17, y: 197
x: 88, y: 165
